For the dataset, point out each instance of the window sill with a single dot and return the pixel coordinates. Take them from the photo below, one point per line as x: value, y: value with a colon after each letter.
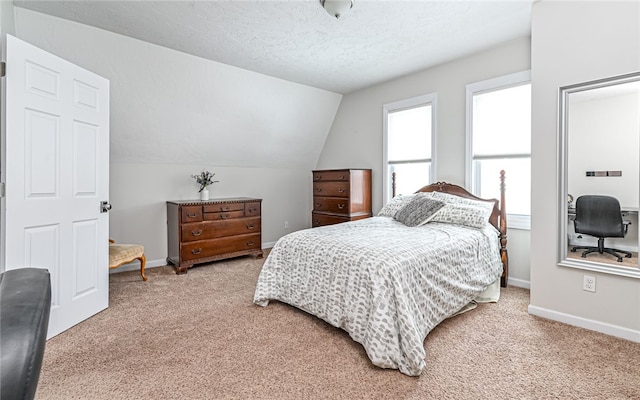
x: 519, y: 221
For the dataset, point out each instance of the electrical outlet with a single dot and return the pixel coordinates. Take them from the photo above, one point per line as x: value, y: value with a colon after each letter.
x: 286, y: 224
x: 589, y: 283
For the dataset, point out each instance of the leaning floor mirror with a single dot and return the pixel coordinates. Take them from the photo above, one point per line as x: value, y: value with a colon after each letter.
x: 599, y: 153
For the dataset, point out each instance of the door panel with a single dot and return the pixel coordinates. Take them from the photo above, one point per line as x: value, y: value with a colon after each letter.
x: 41, y: 248
x: 41, y: 154
x: 86, y: 139
x: 57, y: 172
x: 85, y: 252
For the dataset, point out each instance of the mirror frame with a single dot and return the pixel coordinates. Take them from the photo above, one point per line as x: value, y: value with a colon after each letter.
x: 563, y: 135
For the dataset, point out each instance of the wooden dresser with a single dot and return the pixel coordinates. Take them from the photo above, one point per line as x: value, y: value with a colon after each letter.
x: 204, y: 231
x: 341, y: 195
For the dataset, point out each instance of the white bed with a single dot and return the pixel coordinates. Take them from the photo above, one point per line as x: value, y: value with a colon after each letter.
x: 385, y: 283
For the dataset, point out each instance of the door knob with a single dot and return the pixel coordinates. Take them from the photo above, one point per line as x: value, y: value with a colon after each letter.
x: 105, y: 206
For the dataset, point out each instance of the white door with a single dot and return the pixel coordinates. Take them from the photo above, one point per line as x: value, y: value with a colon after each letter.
x: 56, y: 175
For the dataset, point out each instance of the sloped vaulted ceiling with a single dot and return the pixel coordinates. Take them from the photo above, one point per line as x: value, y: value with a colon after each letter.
x: 171, y: 107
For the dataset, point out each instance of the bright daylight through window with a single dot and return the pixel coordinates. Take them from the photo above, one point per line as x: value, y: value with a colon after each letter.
x: 499, y: 138
x: 408, y: 131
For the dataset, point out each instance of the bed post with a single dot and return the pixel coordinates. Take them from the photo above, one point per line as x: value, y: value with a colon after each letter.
x: 503, y: 234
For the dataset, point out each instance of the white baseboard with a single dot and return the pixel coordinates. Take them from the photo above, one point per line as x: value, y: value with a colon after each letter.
x: 519, y: 283
x: 135, y: 266
x: 602, y: 327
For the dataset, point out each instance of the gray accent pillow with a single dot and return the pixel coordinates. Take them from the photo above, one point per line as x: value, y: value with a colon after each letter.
x: 419, y: 210
x: 391, y: 208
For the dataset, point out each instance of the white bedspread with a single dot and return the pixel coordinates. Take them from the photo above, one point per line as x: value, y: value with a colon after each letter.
x: 386, y: 284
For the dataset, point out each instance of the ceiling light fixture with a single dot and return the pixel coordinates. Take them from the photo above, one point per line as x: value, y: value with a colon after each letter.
x: 336, y: 8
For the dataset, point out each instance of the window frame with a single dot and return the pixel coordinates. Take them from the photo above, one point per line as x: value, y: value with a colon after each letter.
x: 406, y: 104
x: 516, y: 221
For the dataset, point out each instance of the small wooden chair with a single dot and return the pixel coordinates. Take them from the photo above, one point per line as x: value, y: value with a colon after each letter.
x: 120, y: 254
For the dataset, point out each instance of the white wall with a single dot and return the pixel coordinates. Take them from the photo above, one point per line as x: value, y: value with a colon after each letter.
x: 174, y: 114
x: 574, y: 42
x: 355, y: 139
x: 7, y: 22
x: 604, y: 135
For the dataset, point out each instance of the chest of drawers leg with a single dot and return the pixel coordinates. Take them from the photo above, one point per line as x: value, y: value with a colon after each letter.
x: 204, y: 231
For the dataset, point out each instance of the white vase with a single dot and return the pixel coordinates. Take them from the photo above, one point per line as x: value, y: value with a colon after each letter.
x: 204, y: 194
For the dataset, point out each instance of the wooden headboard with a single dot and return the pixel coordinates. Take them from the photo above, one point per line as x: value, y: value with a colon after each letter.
x: 498, y: 217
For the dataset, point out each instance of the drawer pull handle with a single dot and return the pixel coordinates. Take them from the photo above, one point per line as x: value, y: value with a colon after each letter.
x: 197, y: 233
x: 224, y: 216
x: 252, y: 210
x: 341, y: 177
x: 316, y: 222
x: 319, y: 190
x: 341, y: 190
x: 317, y: 178
x: 224, y: 208
x: 249, y: 243
x: 250, y: 226
x: 192, y: 215
x: 196, y: 251
x: 340, y: 206
x: 318, y: 204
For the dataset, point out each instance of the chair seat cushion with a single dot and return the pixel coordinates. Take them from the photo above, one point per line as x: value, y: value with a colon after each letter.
x: 122, y: 253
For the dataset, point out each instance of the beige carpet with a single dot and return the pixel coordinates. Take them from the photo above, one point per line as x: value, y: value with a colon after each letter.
x: 631, y: 262
x: 198, y: 336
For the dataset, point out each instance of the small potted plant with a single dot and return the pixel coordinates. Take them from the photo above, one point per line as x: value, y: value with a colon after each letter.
x: 204, y: 179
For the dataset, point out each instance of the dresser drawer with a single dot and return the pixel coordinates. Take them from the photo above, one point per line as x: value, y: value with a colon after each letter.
x: 216, y: 216
x: 220, y: 228
x: 331, y: 189
x: 338, y: 175
x: 195, y: 231
x: 223, y: 207
x: 323, y: 219
x: 191, y: 214
x: 214, y: 247
x: 252, y: 209
x: 331, y: 204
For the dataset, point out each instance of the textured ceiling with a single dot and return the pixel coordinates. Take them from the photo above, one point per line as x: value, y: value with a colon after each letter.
x: 298, y: 41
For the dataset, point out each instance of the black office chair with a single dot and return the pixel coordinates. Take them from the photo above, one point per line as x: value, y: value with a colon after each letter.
x: 600, y: 216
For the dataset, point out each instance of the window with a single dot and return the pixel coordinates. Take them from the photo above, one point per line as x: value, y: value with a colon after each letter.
x: 409, y: 140
x: 499, y: 138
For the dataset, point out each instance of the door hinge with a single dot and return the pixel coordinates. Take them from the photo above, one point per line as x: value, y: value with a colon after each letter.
x: 3, y: 68
x: 1, y: 189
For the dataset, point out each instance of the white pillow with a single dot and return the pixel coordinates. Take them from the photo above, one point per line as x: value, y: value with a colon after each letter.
x: 463, y: 214
x: 453, y: 199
